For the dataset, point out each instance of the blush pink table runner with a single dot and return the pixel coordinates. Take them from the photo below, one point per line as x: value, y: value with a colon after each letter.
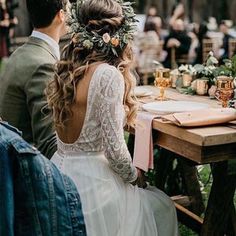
x: 143, y: 147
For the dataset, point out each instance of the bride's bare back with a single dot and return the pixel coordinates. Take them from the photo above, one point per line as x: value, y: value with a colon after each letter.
x: 71, y: 132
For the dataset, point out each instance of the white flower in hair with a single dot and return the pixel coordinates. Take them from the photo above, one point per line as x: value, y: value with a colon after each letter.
x: 106, y: 38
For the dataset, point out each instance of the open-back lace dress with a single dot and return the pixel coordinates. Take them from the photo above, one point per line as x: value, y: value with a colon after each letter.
x: 101, y: 167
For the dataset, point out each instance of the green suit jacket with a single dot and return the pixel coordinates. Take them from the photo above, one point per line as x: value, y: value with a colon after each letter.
x: 22, y: 97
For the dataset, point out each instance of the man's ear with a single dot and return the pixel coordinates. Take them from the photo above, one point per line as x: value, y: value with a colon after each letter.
x: 62, y: 15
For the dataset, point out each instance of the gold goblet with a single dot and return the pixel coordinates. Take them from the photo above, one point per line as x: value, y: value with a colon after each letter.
x: 225, y: 89
x: 162, y: 81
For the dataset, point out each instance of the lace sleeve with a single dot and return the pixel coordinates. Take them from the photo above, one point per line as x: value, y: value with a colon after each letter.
x: 112, y: 118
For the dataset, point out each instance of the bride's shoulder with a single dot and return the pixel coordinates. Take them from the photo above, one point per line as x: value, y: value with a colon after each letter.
x: 108, y: 74
x: 106, y: 69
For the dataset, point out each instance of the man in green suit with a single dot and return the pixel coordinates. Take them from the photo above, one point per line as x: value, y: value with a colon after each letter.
x: 29, y: 69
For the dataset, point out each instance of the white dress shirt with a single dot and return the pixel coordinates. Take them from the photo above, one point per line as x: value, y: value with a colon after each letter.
x: 52, y: 43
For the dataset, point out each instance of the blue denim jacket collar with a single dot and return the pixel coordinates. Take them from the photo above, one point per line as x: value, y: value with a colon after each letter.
x: 19, y: 144
x: 4, y: 123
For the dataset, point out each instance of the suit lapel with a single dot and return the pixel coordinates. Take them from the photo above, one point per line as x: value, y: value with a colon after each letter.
x: 41, y: 43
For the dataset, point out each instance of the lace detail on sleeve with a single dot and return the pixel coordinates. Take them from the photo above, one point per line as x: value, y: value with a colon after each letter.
x: 111, y: 117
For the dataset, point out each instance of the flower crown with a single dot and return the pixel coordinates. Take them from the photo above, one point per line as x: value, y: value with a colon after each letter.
x: 106, y: 43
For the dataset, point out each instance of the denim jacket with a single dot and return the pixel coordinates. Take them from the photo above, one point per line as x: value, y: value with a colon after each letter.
x: 36, y: 199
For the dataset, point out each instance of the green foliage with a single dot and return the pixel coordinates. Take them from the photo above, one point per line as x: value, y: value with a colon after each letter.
x: 188, y: 69
x: 211, y: 60
x: 208, y: 70
x: 228, y: 68
x: 184, y: 231
x: 188, y: 90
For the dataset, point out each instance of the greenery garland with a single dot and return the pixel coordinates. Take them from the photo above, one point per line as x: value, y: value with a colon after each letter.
x: 105, y: 43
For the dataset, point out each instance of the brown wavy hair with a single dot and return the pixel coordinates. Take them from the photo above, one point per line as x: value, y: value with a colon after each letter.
x: 102, y: 16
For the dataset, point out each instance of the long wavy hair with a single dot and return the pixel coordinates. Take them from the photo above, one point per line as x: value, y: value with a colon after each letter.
x: 102, y: 16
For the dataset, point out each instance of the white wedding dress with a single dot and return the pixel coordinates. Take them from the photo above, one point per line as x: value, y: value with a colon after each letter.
x: 101, y: 167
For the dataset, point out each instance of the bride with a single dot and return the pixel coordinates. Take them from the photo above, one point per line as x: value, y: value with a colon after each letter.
x: 91, y: 100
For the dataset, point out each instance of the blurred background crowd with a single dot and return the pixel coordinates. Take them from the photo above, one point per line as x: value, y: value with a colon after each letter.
x: 8, y: 21
x: 170, y: 32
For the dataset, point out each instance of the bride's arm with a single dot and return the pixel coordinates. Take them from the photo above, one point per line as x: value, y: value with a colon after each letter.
x: 112, y: 117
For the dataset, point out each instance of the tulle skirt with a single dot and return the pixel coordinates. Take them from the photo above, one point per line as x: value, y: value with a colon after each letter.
x: 112, y: 207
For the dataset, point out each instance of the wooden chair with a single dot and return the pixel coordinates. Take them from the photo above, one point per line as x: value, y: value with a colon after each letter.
x: 207, y: 46
x: 232, y: 47
x: 147, y: 71
x: 177, y: 60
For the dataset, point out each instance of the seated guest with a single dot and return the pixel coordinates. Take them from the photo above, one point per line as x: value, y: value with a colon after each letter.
x: 158, y: 21
x: 201, y: 33
x: 178, y: 39
x: 148, y: 44
x: 225, y: 46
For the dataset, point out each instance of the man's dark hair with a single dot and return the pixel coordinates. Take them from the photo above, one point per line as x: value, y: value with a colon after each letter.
x: 42, y: 12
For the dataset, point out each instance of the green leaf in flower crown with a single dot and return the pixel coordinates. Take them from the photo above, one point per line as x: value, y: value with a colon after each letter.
x: 114, y: 51
x: 127, y: 4
x: 125, y: 39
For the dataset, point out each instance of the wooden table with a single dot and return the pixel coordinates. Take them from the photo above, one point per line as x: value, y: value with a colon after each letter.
x: 214, y: 145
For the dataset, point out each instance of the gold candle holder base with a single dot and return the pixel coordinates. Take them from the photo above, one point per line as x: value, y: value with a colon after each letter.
x: 162, y: 81
x: 162, y: 96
